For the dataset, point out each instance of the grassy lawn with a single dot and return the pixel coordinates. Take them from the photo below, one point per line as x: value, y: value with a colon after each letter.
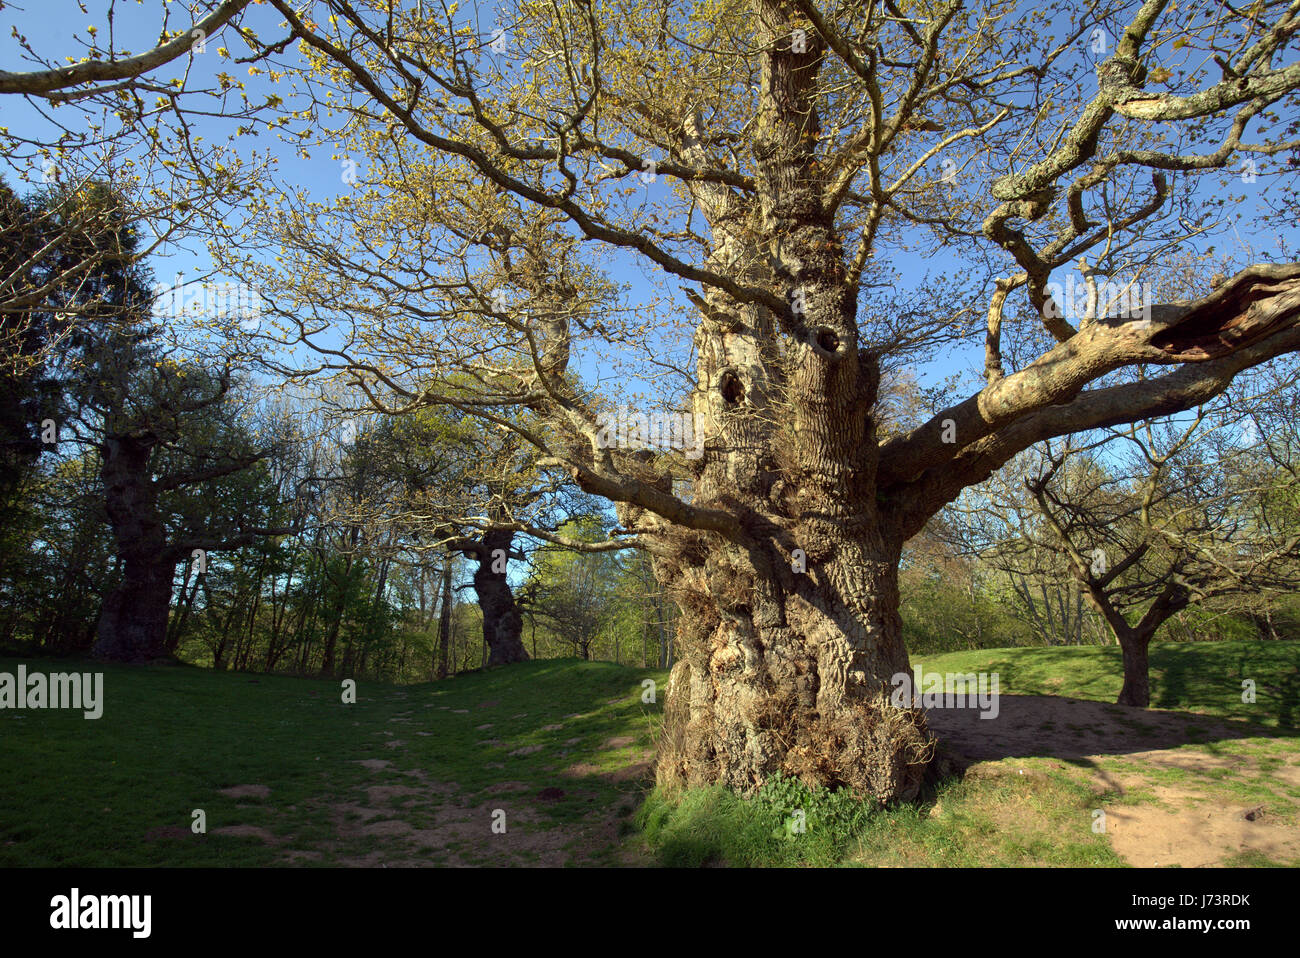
x: 559, y: 749
x: 1200, y: 677
x: 121, y: 790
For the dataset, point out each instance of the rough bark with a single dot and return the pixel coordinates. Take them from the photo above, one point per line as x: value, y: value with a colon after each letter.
x: 502, y: 624
x: 1137, y: 684
x: 444, y: 622
x: 785, y: 657
x: 780, y: 672
x: 133, y: 621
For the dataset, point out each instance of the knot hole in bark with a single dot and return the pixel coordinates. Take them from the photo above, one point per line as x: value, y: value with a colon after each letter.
x: 826, y: 341
x: 732, y: 389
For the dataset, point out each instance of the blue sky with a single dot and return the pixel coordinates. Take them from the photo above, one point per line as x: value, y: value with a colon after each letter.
x: 52, y: 27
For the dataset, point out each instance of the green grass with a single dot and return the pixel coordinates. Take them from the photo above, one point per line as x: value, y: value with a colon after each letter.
x: 88, y: 792
x: 1006, y: 819
x: 106, y: 792
x: 1200, y: 677
x: 1019, y: 812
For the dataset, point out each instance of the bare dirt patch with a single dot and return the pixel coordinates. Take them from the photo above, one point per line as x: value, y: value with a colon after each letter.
x: 436, y: 824
x: 634, y: 771
x: 1060, y: 727
x: 166, y: 831
x: 1195, y: 819
x: 246, y: 831
x: 392, y: 826
x: 384, y: 794
x: 1184, y: 830
x: 245, y: 791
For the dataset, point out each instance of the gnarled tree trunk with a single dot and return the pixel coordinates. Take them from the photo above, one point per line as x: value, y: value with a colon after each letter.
x: 133, y: 621
x: 790, y: 631
x: 785, y: 671
x: 502, y: 625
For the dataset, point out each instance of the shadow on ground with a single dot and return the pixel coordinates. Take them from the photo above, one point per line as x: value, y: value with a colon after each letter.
x: 1053, y: 726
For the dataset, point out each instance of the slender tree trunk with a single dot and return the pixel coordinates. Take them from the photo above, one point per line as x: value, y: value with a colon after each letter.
x: 1135, y: 640
x: 336, y: 618
x: 444, y: 621
x: 219, y: 655
x: 1051, y: 620
x: 340, y: 605
x: 245, y: 649
x: 177, y: 630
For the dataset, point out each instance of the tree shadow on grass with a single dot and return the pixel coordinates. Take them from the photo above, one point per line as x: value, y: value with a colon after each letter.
x: 1051, y: 726
x: 1180, y: 676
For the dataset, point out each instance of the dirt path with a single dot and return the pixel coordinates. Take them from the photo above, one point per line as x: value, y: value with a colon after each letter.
x: 408, y: 819
x: 1189, y: 789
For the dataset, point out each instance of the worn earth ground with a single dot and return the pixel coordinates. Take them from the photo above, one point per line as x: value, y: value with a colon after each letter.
x: 544, y: 764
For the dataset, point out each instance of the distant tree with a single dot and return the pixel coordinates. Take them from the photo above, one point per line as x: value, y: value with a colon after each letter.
x: 143, y: 417
x: 1150, y: 519
x: 572, y: 593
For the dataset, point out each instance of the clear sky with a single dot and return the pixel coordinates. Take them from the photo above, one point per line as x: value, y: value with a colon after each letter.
x: 59, y: 28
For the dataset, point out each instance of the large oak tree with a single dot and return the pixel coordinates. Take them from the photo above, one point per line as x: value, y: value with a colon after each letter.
x: 504, y: 184
x: 777, y: 157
